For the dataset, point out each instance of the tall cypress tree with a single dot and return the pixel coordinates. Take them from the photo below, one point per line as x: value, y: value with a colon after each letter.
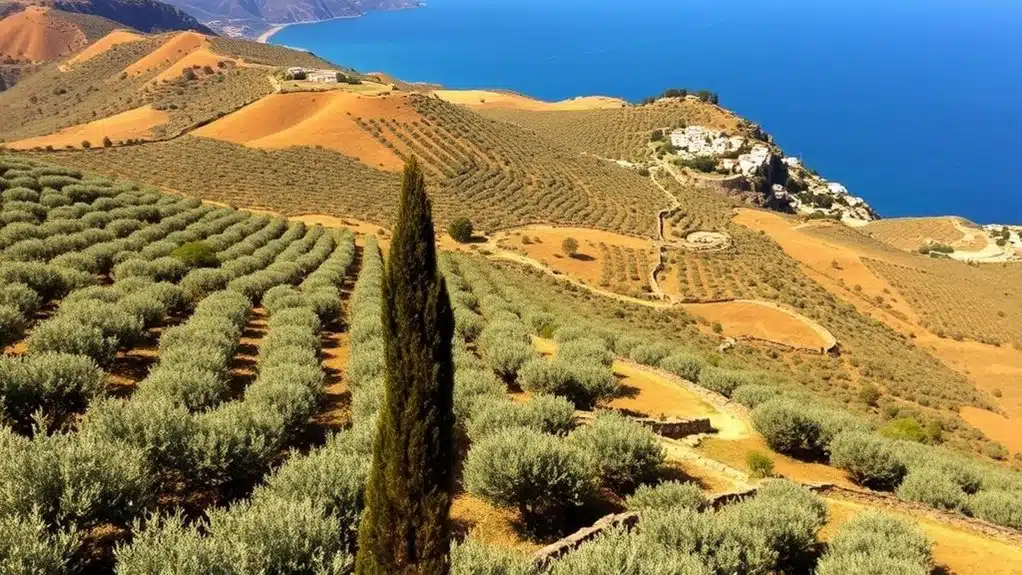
x: 406, y: 528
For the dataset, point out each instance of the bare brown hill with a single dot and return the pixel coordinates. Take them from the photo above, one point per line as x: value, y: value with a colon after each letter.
x: 39, y: 34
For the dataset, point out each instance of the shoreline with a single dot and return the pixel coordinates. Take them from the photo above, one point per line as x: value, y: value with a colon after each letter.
x: 264, y: 38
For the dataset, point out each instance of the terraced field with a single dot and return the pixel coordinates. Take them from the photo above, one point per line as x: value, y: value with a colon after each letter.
x: 222, y: 369
x: 910, y: 234
x: 498, y: 173
x: 618, y: 133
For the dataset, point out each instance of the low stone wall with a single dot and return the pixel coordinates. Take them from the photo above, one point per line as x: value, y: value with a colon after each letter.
x: 676, y: 428
x: 670, y: 428
x: 558, y: 549
x: 542, y: 558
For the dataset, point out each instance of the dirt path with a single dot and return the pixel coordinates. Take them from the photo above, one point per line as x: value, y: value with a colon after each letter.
x: 336, y: 411
x: 244, y: 365
x: 827, y: 340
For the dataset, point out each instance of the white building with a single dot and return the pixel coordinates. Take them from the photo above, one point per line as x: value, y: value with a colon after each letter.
x: 695, y: 141
x: 753, y: 163
x: 322, y: 76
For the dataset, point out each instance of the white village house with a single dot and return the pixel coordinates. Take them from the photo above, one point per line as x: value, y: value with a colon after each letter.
x: 311, y: 75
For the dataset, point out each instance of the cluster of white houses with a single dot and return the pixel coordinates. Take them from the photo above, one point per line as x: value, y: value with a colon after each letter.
x: 311, y: 75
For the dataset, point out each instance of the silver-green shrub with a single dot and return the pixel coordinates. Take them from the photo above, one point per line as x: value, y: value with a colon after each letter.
x: 667, y: 495
x: 724, y: 381
x: 58, y: 384
x: 27, y: 546
x: 753, y: 395
x: 1000, y: 507
x: 159, y: 428
x: 332, y: 478
x: 619, y: 552
x: 537, y: 473
x: 73, y: 481
x: 545, y: 413
x: 875, y: 543
x: 585, y: 350
x: 933, y: 487
x: 650, y: 354
x: 623, y: 452
x: 683, y: 365
x: 473, y: 557
x: 66, y: 335
x: 871, y: 460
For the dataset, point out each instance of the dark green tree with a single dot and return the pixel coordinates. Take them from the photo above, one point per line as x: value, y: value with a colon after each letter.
x: 461, y: 230
x: 405, y: 528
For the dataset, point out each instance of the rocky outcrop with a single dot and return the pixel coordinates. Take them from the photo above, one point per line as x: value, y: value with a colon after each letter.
x: 755, y: 170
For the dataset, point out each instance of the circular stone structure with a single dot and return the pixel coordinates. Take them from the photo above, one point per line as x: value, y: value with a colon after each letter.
x: 707, y: 241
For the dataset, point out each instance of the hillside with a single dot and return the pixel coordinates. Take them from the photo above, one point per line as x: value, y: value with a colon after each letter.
x: 39, y: 34
x: 144, y: 15
x: 190, y: 77
x: 243, y: 388
x: 192, y: 242
x: 250, y: 19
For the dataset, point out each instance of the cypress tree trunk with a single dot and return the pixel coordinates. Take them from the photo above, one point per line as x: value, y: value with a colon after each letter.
x: 406, y: 527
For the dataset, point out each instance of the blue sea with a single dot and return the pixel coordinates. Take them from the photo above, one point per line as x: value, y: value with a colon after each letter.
x: 915, y: 105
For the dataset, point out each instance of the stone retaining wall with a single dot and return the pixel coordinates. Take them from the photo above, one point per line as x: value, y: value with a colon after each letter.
x: 542, y: 558
x: 676, y: 428
x: 671, y: 428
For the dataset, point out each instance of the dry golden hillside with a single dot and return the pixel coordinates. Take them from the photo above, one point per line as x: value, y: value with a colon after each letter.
x: 38, y: 34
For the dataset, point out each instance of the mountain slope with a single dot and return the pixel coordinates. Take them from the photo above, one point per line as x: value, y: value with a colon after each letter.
x: 249, y: 19
x: 39, y: 34
x: 143, y: 15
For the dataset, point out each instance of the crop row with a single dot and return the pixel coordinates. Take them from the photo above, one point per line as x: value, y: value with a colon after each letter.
x: 158, y: 445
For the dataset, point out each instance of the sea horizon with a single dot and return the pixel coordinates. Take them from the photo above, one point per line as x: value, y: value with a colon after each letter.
x: 912, y: 107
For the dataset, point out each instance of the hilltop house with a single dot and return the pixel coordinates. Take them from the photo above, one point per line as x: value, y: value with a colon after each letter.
x: 322, y: 76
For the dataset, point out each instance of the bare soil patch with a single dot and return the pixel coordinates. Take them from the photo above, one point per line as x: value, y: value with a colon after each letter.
x: 326, y: 119
x: 34, y: 35
x: 647, y: 395
x: 174, y: 49
x: 133, y: 124
x: 197, y: 58
x: 474, y: 517
x: 102, y: 45
x: 762, y: 321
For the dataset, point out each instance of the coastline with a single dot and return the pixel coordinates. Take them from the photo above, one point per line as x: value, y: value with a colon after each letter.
x: 264, y: 38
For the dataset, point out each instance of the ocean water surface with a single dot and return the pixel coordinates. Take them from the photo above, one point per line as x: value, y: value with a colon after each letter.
x: 915, y: 105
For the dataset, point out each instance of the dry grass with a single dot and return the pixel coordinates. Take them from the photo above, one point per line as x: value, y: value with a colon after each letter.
x: 911, y: 233
x: 957, y: 550
x: 956, y: 300
x: 133, y: 124
x: 611, y: 261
